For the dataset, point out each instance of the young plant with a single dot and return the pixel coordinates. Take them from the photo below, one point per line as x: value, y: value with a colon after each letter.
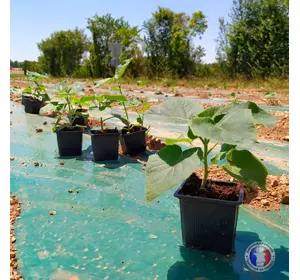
x: 69, y: 104
x: 140, y: 107
x: 36, y: 90
x: 233, y: 127
x: 120, y: 70
x: 103, y: 103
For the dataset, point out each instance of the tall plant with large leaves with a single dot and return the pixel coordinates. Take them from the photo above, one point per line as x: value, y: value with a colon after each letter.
x: 232, y: 127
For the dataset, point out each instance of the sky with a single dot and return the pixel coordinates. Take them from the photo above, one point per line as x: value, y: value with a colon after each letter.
x: 34, y: 20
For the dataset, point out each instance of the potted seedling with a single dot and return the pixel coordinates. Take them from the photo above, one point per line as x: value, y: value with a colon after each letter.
x: 208, y: 208
x: 34, y: 96
x: 105, y: 142
x: 132, y: 138
x: 69, y: 134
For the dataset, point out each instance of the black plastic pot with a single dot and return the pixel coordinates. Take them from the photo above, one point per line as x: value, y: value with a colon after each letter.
x: 32, y: 106
x: 69, y: 142
x: 133, y: 143
x: 105, y: 145
x: 209, y: 224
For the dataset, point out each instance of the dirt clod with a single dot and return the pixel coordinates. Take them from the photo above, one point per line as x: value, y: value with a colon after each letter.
x: 61, y: 163
x: 15, y: 211
x: 286, y: 138
x: 39, y: 130
x: 12, y: 158
x: 36, y: 163
x: 279, y: 131
x: 277, y: 189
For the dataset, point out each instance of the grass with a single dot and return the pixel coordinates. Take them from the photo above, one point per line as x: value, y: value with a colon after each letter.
x: 276, y: 84
x: 279, y: 85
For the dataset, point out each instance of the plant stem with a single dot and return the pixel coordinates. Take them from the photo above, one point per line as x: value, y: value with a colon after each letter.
x: 205, y: 162
x: 123, y: 104
x: 101, y: 123
x: 103, y: 120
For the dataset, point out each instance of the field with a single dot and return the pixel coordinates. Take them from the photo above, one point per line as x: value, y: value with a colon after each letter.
x: 77, y: 214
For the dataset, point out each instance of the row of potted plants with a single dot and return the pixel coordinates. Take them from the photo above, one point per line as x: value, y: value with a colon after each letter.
x: 208, y: 208
x: 73, y: 115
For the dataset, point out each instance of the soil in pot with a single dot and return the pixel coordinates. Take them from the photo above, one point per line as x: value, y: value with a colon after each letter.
x: 209, y: 216
x: 32, y: 106
x: 105, y: 144
x: 133, y: 141
x: 213, y: 189
x: 69, y: 141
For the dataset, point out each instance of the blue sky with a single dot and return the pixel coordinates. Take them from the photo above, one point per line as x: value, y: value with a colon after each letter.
x: 34, y: 20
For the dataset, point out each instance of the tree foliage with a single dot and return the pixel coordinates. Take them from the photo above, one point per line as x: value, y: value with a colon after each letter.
x: 253, y: 44
x: 107, y: 30
x: 256, y: 41
x: 168, y: 41
x: 62, y: 52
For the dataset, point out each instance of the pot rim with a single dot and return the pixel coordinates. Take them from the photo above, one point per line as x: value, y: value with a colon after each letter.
x: 144, y: 129
x: 103, y: 134
x: 210, y: 200
x: 72, y: 131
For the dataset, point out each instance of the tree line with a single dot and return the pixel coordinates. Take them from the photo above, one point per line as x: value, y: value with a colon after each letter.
x: 253, y: 43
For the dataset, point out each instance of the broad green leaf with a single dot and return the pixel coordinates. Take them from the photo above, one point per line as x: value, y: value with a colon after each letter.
x: 168, y: 168
x: 121, y: 68
x: 236, y: 127
x: 115, y: 97
x: 210, y: 112
x: 87, y: 98
x: 227, y: 147
x: 102, y: 82
x: 171, y: 141
x: 100, y: 98
x: 260, y: 116
x: 245, y: 167
x: 45, y: 97
x: 27, y: 90
x: 62, y: 95
x: 145, y: 106
x: 191, y: 135
x: 175, y: 111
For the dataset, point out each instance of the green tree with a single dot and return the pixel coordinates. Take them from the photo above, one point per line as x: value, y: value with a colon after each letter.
x: 168, y: 41
x: 62, y: 52
x: 106, y: 30
x: 256, y: 41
